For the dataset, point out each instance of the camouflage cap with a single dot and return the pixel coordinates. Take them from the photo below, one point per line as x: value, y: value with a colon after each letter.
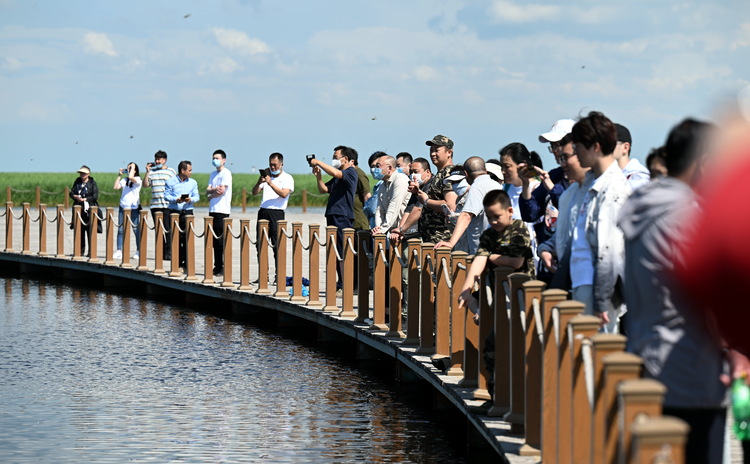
x: 440, y: 141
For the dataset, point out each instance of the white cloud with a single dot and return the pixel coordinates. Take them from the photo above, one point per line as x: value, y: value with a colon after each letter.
x: 95, y: 42
x: 240, y: 42
x: 505, y: 11
x: 425, y: 73
x: 11, y: 64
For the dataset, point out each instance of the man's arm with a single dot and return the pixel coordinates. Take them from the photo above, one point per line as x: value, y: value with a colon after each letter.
x: 462, y: 223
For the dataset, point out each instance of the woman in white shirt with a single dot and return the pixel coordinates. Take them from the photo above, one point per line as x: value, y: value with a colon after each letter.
x: 130, y: 199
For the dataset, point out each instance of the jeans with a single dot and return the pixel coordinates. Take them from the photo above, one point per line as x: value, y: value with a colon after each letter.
x: 135, y: 218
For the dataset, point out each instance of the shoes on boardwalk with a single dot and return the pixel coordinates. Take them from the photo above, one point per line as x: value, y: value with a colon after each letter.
x: 137, y: 255
x: 117, y: 254
x: 218, y: 271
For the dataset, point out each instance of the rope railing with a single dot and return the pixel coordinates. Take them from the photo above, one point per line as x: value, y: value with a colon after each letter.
x: 556, y: 324
x: 350, y: 244
x: 18, y: 218
x: 231, y: 234
x: 46, y: 218
x: 521, y: 295
x: 316, y: 237
x: 588, y: 366
x: 381, y: 253
x: 283, y: 232
x: 246, y: 229
x: 336, y: 250
x: 198, y: 235
x: 535, y: 304
x: 403, y: 260
x: 298, y: 236
x: 448, y: 280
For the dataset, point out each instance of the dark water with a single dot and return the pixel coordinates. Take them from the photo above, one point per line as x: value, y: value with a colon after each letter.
x: 87, y: 376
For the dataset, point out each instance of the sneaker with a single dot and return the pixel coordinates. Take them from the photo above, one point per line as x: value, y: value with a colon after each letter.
x: 117, y: 255
x: 136, y: 255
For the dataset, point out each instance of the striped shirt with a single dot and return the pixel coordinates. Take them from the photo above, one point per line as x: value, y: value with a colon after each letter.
x: 158, y: 179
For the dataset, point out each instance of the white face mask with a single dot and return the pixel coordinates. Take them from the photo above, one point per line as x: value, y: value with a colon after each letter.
x: 336, y: 163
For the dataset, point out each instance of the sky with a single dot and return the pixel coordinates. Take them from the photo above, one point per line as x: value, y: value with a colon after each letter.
x: 103, y: 83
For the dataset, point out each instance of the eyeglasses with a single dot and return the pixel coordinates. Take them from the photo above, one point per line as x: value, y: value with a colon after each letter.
x: 553, y: 147
x: 564, y: 157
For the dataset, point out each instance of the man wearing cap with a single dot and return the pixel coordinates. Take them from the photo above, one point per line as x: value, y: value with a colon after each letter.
x: 432, y: 224
x: 472, y: 221
x: 157, y: 175
x: 636, y: 173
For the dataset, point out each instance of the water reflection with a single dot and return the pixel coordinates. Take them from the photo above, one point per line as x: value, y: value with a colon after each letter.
x: 87, y: 376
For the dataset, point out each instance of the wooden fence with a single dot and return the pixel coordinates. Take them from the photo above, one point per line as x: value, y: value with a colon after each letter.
x: 572, y: 393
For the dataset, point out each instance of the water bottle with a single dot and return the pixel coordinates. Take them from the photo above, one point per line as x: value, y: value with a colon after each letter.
x: 741, y: 407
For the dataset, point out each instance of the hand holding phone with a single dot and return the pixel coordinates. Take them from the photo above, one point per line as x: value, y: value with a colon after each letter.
x: 309, y: 159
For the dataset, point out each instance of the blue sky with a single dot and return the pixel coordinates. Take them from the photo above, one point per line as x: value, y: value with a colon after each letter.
x: 103, y: 83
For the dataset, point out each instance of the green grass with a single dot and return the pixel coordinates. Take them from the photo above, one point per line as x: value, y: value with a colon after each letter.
x: 23, y: 188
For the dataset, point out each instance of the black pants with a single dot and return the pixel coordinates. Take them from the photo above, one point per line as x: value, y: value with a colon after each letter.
x: 218, y: 242
x: 273, y: 216
x: 705, y: 443
x: 167, y: 226
x: 183, y: 235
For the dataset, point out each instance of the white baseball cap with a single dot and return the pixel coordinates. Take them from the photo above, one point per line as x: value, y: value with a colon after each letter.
x: 559, y: 130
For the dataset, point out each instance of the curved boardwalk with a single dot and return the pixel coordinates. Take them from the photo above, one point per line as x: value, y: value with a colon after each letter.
x: 563, y: 392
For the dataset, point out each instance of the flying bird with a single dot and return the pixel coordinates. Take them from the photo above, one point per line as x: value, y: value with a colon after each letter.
x: 374, y: 118
x: 186, y: 16
x: 131, y: 136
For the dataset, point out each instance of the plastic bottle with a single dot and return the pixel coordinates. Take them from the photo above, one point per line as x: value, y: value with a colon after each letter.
x: 741, y: 407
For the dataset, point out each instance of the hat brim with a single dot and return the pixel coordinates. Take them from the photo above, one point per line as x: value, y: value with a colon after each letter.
x: 552, y: 137
x: 455, y: 178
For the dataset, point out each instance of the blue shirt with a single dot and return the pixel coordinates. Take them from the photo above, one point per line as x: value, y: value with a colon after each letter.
x: 176, y: 187
x: 341, y: 191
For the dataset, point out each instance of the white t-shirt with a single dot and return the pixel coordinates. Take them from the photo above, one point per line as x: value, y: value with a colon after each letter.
x: 474, y: 205
x: 130, y: 198
x: 270, y: 199
x: 221, y: 203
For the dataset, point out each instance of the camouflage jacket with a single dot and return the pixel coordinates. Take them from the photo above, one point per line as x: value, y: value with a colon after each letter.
x: 433, y: 226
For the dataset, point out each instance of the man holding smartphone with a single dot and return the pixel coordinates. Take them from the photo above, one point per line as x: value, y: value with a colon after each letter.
x: 182, y: 192
x: 219, y: 192
x: 157, y: 175
x: 276, y: 186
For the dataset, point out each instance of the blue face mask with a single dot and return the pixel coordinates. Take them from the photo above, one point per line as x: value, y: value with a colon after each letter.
x: 275, y: 173
x: 400, y: 170
x: 158, y: 166
x: 216, y: 162
x: 377, y: 173
x: 461, y: 187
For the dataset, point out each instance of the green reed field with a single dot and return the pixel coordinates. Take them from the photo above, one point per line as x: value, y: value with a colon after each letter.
x: 23, y: 188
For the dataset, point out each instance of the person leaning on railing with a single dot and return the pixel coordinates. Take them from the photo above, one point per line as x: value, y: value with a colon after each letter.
x: 85, y: 194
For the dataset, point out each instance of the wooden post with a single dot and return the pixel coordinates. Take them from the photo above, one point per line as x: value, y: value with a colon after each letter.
x: 604, y: 344
x: 550, y: 380
x: 659, y: 439
x: 414, y: 249
x: 26, y: 233
x: 457, y: 317
x: 174, y: 220
x: 244, y: 200
x: 190, y: 248
x: 109, y: 238
x: 297, y: 264
x: 580, y: 329
x: 208, y: 250
x: 347, y: 300
x: 486, y: 325
x: 8, y: 224
x: 42, y: 230
x: 263, y: 246
x: 395, y: 289
x: 442, y: 304
x: 60, y: 218
x: 517, y: 318
x: 501, y: 326
x: 363, y: 274
x: 8, y: 197
x: 159, y: 243
x: 379, y: 283
x: 567, y: 310
x: 126, y: 228
x: 77, y: 231
x: 427, y: 310
x: 533, y: 388
x: 304, y: 201
x: 471, y: 346
x: 93, y: 235
x: 638, y: 397
x: 228, y: 281
x: 281, y: 250
x: 245, y: 250
x: 331, y: 265
x: 314, y: 266
x: 617, y: 368
x: 142, y: 240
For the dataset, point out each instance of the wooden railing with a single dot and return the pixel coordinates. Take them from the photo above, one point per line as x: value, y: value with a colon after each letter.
x: 572, y: 393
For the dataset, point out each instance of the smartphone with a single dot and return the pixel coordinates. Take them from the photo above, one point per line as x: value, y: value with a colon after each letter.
x: 309, y: 159
x: 185, y: 196
x: 264, y: 172
x: 445, y: 209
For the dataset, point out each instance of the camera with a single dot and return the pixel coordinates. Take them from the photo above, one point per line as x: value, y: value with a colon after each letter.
x: 309, y: 159
x: 264, y: 173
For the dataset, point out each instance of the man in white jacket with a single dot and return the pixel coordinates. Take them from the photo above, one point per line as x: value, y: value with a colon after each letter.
x: 393, y: 195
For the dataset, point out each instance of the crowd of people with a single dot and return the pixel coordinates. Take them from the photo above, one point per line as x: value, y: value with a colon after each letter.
x: 621, y: 237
